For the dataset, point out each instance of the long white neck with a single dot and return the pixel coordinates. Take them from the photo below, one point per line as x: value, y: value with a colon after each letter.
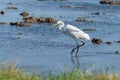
x: 61, y: 27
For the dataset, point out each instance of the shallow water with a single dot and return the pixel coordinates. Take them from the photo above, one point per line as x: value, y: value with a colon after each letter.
x: 40, y: 48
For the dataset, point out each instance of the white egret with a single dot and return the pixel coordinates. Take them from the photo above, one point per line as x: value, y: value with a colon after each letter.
x: 73, y: 32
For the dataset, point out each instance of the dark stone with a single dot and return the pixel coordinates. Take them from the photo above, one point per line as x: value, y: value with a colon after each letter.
x: 96, y: 13
x: 81, y: 19
x: 65, y: 6
x: 109, y: 2
x: 89, y: 29
x: 46, y: 20
x: 20, y: 24
x: 2, y: 12
x: 117, y: 52
x: 24, y: 14
x: 118, y: 41
x: 97, y: 41
x: 3, y: 23
x: 108, y: 42
x: 12, y: 7
x: 31, y: 19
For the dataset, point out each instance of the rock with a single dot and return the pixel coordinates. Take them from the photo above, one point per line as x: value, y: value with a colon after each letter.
x: 3, y: 23
x: 19, y: 33
x: 96, y: 13
x: 9, y: 3
x: 117, y: 52
x: 20, y: 24
x: 108, y: 42
x: 89, y: 29
x: 97, y: 41
x: 2, y: 12
x: 65, y: 6
x: 60, y: 0
x: 31, y: 19
x: 50, y: 20
x: 109, y: 2
x: 52, y: 0
x: 46, y: 20
x: 24, y: 14
x: 13, y: 23
x: 41, y: 0
x: 117, y: 41
x: 81, y: 19
x: 39, y: 20
x: 28, y: 20
x: 12, y: 7
x: 83, y: 7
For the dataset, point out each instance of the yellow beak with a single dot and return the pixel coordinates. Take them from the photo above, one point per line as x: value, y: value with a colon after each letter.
x: 53, y: 25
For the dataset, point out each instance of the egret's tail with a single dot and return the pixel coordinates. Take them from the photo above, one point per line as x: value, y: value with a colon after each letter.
x: 87, y: 37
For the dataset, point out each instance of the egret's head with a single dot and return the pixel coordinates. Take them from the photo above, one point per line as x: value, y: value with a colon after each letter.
x: 60, y: 22
x: 57, y: 23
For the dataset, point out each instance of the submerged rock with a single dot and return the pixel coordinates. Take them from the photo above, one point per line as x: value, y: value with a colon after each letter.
x: 2, y: 12
x: 60, y: 0
x: 3, y: 23
x: 65, y: 6
x: 46, y: 20
x: 97, y: 41
x: 39, y: 20
x: 31, y: 19
x: 84, y: 19
x: 12, y: 7
x: 81, y: 19
x: 95, y: 13
x: 118, y: 41
x: 52, y: 0
x: 9, y: 3
x: 27, y: 21
x: 89, y: 29
x: 109, y: 2
x: 117, y: 52
x: 108, y: 42
x: 20, y: 24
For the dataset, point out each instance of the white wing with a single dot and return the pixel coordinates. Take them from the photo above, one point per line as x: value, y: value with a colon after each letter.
x: 71, y: 28
x: 75, y: 32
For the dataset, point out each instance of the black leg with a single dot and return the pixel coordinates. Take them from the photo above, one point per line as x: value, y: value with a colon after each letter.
x: 83, y: 43
x: 77, y: 48
x: 73, y: 50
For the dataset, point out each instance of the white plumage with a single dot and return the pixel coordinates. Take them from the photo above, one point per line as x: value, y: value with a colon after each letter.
x: 73, y: 32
